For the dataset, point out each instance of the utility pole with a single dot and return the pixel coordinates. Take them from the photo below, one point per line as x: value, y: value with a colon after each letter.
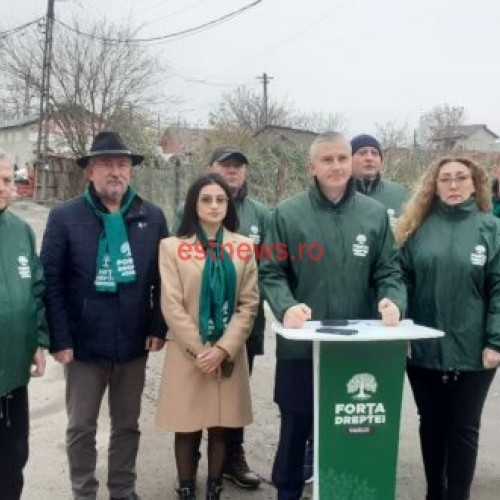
x: 42, y: 145
x: 265, y: 78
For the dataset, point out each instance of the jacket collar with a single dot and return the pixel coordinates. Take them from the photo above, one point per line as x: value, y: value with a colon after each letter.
x: 323, y: 202
x: 242, y: 194
x: 459, y: 211
x: 367, y: 186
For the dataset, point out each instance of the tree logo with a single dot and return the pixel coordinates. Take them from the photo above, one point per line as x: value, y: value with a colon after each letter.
x: 478, y: 257
x: 362, y: 386
x: 391, y: 213
x: 23, y: 267
x: 360, y: 247
x: 125, y: 249
x: 254, y: 234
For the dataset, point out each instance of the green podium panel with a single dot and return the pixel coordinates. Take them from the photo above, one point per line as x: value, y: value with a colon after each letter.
x: 358, y: 392
x: 358, y: 389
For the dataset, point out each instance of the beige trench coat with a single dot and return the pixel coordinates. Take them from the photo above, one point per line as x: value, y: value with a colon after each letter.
x: 190, y: 400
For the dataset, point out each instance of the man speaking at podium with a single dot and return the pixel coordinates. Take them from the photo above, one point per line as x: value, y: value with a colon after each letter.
x: 354, y: 260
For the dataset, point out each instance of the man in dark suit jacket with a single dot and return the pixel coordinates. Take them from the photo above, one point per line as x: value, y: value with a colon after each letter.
x: 100, y: 257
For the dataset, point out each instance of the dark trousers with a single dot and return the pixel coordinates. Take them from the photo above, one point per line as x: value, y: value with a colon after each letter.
x: 14, y: 430
x: 450, y: 405
x: 235, y: 436
x: 288, y: 465
x: 85, y: 387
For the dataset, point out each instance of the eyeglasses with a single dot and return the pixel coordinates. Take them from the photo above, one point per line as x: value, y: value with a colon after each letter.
x: 459, y: 180
x: 206, y: 199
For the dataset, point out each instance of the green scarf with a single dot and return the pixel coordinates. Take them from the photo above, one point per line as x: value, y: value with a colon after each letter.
x: 218, y: 289
x: 115, y: 263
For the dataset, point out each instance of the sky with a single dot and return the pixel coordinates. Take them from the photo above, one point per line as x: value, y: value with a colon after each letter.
x: 372, y: 61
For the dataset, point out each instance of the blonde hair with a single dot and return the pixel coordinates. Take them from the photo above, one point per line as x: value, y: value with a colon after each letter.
x: 418, y: 207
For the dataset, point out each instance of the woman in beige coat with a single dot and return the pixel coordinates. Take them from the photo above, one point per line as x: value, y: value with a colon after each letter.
x: 209, y: 299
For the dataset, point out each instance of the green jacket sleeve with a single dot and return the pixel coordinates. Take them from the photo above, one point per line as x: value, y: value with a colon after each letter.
x: 275, y: 269
x: 38, y: 293
x: 493, y: 290
x: 386, y: 276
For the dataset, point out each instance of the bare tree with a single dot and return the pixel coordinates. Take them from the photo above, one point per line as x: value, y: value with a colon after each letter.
x: 244, y: 108
x: 393, y: 134
x: 317, y: 121
x: 439, y: 121
x: 95, y: 79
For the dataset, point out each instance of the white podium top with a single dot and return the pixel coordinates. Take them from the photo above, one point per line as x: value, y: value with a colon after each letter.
x: 367, y: 330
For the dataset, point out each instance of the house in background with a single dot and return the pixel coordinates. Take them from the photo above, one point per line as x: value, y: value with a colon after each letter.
x: 286, y: 136
x: 182, y: 142
x: 476, y: 137
x: 18, y: 138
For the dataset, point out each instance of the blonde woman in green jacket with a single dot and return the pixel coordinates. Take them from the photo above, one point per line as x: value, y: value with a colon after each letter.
x: 450, y: 246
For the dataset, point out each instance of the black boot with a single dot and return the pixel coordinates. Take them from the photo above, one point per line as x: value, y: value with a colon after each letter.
x: 214, y: 488
x: 186, y: 490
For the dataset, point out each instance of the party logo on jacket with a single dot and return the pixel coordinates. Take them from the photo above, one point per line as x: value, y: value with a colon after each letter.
x: 478, y: 257
x: 254, y: 234
x: 23, y: 267
x: 360, y: 248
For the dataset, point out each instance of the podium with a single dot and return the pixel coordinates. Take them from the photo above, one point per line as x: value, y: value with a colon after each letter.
x: 358, y: 388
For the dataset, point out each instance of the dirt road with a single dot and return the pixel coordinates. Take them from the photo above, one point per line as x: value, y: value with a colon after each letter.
x: 47, y: 472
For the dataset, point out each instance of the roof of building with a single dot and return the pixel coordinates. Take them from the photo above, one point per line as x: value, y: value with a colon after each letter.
x: 19, y: 122
x: 463, y: 131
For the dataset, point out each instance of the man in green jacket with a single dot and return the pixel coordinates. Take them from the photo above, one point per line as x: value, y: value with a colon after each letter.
x: 331, y: 252
x: 23, y: 335
x: 253, y: 217
x: 366, y: 168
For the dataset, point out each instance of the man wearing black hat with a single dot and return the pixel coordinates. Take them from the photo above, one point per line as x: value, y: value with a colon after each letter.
x: 100, y: 254
x: 366, y: 168
x: 253, y: 219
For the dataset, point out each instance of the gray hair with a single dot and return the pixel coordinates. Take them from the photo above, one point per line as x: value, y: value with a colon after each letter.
x: 327, y: 137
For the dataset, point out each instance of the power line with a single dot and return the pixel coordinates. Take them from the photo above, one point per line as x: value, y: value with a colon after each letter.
x: 17, y: 29
x: 173, y: 14
x: 169, y: 36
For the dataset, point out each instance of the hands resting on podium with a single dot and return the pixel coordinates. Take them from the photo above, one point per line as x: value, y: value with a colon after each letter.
x: 297, y: 315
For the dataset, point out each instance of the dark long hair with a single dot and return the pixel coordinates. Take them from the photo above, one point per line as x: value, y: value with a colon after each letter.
x: 190, y: 222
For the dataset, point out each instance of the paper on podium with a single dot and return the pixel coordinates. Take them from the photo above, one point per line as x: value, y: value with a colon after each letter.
x: 367, y: 330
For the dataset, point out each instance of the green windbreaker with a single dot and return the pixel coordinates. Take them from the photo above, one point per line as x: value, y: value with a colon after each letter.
x: 452, y: 268
x: 22, y: 315
x: 334, y: 258
x: 390, y: 194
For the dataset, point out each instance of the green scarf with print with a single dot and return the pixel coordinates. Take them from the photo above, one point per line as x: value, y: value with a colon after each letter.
x: 218, y: 288
x: 115, y: 263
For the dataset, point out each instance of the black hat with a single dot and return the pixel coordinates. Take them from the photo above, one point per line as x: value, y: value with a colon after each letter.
x: 109, y: 144
x: 363, y: 141
x: 221, y: 154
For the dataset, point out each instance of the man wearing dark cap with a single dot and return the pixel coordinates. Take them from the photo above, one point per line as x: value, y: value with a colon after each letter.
x: 253, y: 216
x: 366, y: 168
x: 100, y: 254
